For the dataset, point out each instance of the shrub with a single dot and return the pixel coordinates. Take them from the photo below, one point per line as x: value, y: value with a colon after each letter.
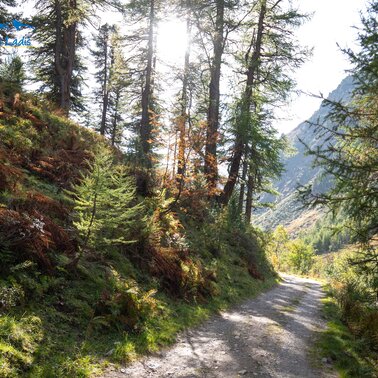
x: 31, y: 236
x: 289, y: 255
x: 300, y: 256
x: 105, y: 205
x: 355, y: 292
x: 124, y: 304
x: 18, y: 134
x: 10, y: 296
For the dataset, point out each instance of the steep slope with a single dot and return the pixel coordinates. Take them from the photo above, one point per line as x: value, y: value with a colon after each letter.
x: 67, y: 307
x: 299, y: 170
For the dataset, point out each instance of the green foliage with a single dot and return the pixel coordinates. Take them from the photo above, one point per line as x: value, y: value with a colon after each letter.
x: 105, y: 205
x: 125, y: 305
x: 349, y: 154
x: 18, y: 134
x: 300, y: 256
x: 19, y: 340
x: 349, y: 355
x: 328, y: 234
x: 352, y: 336
x: 289, y: 255
x: 12, y: 76
x: 10, y: 296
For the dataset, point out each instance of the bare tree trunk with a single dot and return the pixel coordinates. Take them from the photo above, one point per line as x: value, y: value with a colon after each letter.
x: 115, y: 118
x: 254, y: 62
x: 249, y: 199
x: 105, y: 96
x: 182, y: 120
x: 211, y: 163
x: 242, y: 186
x: 145, y: 124
x: 65, y: 50
x: 174, y: 155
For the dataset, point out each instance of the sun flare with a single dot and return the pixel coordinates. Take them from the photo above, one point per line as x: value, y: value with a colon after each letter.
x: 172, y: 40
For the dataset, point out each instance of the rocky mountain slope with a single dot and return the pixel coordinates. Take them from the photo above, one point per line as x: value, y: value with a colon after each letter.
x: 299, y: 170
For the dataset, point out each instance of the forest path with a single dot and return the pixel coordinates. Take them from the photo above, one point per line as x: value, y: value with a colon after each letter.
x: 269, y: 336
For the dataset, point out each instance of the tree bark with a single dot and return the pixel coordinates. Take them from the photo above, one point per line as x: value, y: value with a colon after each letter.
x: 211, y: 163
x: 105, y: 98
x: 115, y: 118
x: 246, y: 103
x: 182, y: 119
x: 249, y: 199
x: 242, y: 186
x: 145, y: 124
x: 64, y: 59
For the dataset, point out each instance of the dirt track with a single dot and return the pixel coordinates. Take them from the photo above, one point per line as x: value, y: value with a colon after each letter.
x: 269, y: 336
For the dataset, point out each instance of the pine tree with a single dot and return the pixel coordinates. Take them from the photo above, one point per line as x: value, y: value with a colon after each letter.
x: 118, y: 88
x: 5, y: 19
x: 269, y: 56
x: 111, y: 76
x: 12, y: 76
x: 350, y: 152
x: 107, y: 213
x: 101, y: 58
x: 56, y: 61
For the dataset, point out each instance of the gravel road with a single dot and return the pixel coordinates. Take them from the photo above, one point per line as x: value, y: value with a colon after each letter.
x: 268, y: 336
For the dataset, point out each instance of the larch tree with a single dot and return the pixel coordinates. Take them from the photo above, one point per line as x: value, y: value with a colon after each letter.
x: 270, y: 53
x: 118, y: 88
x: 101, y: 58
x: 182, y: 120
x: 142, y: 18
x: 111, y: 77
x: 144, y: 40
x: 56, y: 62
x: 243, y: 110
x: 350, y: 152
x: 213, y: 115
x: 215, y: 21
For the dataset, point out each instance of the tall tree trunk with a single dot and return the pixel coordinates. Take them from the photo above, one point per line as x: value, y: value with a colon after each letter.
x: 64, y: 59
x: 249, y: 199
x: 242, y: 186
x: 115, y: 118
x: 246, y: 103
x: 105, y: 95
x: 182, y: 120
x: 145, y: 124
x: 174, y: 155
x: 211, y: 163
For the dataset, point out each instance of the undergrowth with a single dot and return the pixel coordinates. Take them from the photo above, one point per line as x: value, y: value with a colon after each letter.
x: 75, y: 326
x: 73, y: 299
x: 350, y: 355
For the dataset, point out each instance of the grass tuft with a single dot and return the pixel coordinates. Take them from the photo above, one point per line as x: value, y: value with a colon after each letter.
x: 346, y: 353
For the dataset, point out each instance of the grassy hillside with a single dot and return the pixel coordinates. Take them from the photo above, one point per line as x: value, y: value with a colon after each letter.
x: 70, y: 304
